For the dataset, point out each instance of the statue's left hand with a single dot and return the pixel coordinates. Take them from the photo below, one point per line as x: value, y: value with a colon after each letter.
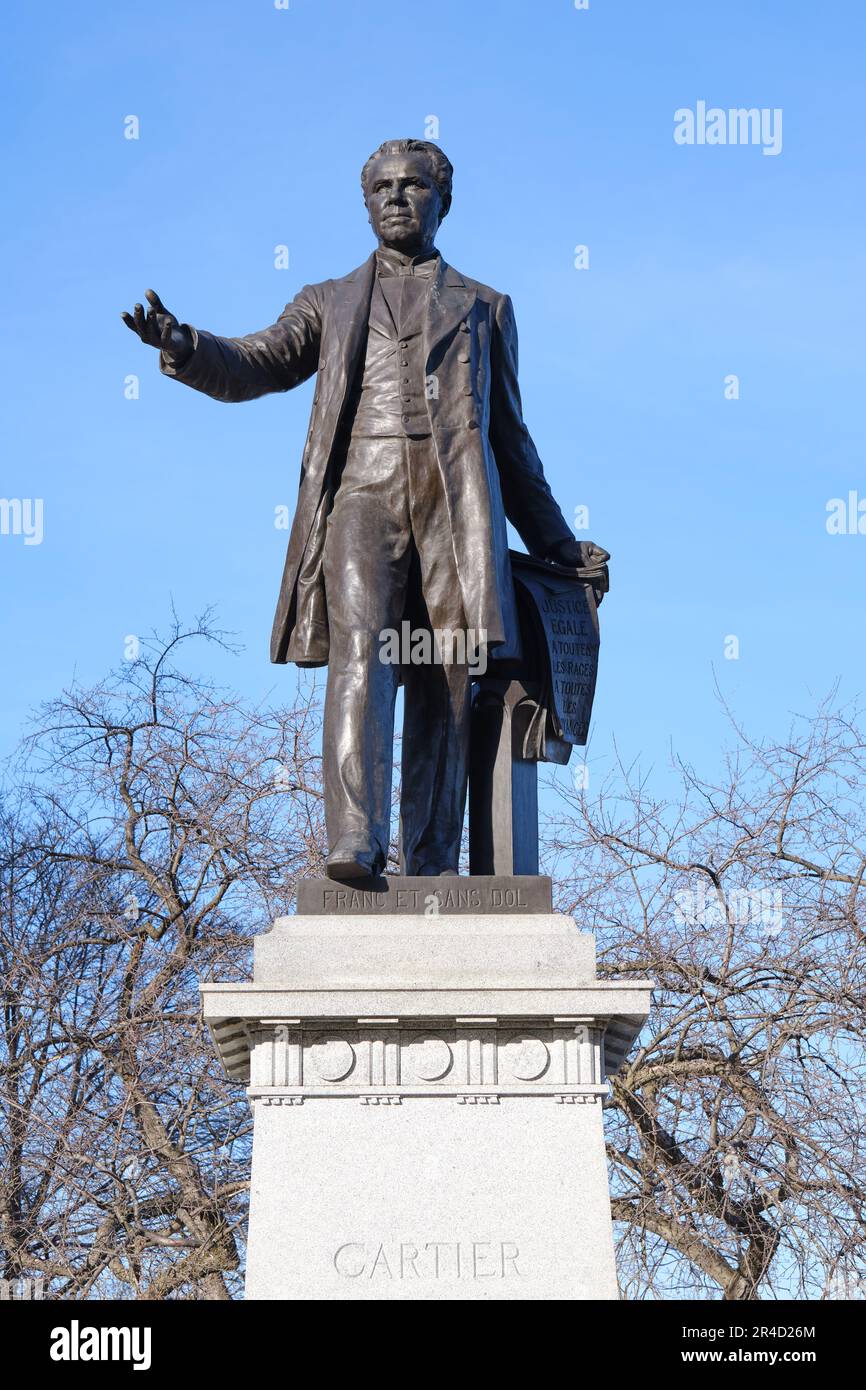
x: 578, y: 554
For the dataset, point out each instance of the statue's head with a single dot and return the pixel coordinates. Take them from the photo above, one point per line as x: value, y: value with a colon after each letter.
x: 407, y: 189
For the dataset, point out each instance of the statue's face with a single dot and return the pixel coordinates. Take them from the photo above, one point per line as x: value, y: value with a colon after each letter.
x: 404, y: 203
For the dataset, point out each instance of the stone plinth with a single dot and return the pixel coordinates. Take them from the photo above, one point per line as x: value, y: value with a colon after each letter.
x: 449, y: 894
x: 427, y: 1095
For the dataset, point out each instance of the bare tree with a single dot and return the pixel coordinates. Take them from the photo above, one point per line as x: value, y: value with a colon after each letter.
x: 153, y: 825
x: 736, y: 1129
x: 157, y: 825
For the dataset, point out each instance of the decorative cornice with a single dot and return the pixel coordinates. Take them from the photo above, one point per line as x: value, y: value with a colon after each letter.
x: 473, y: 1062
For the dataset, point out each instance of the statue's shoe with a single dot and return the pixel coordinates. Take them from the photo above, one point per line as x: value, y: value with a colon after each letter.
x: 354, y: 858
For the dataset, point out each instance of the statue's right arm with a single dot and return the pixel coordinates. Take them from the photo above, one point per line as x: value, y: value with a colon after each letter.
x: 240, y: 369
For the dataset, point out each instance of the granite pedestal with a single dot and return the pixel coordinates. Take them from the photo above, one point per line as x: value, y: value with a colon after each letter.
x: 427, y: 1085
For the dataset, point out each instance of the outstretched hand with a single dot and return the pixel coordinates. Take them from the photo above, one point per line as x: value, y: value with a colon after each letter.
x: 158, y: 327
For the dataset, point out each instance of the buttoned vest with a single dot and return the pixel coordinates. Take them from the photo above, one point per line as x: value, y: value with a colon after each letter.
x: 389, y: 393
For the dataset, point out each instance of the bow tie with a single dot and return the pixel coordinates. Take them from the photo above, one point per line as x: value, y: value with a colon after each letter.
x: 423, y: 268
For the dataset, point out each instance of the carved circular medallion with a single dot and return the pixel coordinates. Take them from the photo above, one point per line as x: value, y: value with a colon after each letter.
x: 332, y: 1058
x: 526, y: 1058
x: 431, y: 1059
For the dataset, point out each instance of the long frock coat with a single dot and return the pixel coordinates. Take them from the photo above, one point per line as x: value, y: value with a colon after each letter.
x: 489, y: 465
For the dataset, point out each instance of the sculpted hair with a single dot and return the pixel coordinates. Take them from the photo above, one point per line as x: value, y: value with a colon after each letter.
x: 440, y: 164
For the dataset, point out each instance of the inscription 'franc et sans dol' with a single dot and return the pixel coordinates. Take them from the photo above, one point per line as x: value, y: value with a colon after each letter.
x: 414, y: 900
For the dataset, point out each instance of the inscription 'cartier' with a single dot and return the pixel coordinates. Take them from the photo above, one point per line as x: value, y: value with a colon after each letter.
x: 431, y: 1259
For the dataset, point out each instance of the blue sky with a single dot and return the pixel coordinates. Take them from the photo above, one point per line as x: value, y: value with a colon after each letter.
x: 704, y: 261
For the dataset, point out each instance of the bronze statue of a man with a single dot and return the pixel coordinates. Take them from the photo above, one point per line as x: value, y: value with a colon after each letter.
x: 416, y: 454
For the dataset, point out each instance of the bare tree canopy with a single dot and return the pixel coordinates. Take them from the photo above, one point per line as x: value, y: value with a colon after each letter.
x: 151, y: 826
